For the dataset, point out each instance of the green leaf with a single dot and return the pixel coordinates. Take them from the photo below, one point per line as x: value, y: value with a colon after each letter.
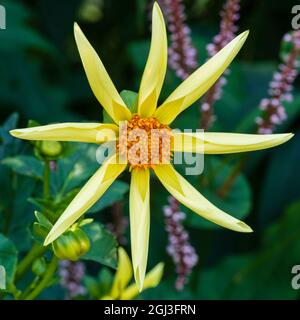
x: 16, y: 214
x: 43, y: 221
x: 19, y: 34
x: 237, y: 201
x: 8, y: 257
x: 103, y: 245
x: 130, y: 98
x: 46, y: 205
x: 92, y: 286
x: 25, y: 165
x: 115, y: 193
x: 75, y: 170
x: 264, y: 275
x: 247, y: 85
x: 54, y: 207
x: 100, y: 286
x: 34, y: 90
x: 38, y: 232
x: 8, y: 144
x: 105, y: 278
x: 281, y: 172
x: 9, y: 124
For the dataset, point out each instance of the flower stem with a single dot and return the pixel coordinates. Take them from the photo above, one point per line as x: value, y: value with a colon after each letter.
x: 45, y: 280
x: 29, y: 288
x: 36, y: 251
x: 46, y: 187
x: 228, y: 183
x: 11, y: 288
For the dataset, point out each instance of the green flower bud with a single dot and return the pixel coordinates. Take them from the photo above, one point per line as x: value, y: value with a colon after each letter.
x: 71, y: 245
x: 50, y: 148
x: 39, y: 266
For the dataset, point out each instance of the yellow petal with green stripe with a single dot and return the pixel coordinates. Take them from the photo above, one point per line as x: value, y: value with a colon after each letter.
x: 199, y: 82
x: 152, y: 280
x: 184, y: 192
x: 87, y: 196
x: 222, y: 143
x: 123, y: 274
x: 139, y: 222
x: 81, y: 132
x: 99, y: 80
x: 156, y: 66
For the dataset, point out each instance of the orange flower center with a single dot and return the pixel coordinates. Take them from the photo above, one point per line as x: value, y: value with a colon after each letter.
x: 144, y: 142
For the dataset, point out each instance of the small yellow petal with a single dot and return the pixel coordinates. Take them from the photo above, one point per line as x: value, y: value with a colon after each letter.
x: 153, y: 277
x: 81, y: 132
x: 106, y: 298
x: 152, y: 280
x: 156, y: 66
x: 222, y: 143
x: 88, y: 195
x: 184, y: 192
x: 123, y: 274
x: 99, y: 80
x: 199, y: 82
x: 139, y: 222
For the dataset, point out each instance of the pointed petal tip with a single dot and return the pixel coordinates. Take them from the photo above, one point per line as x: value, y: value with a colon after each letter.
x: 245, y: 33
x: 156, y: 5
x: 13, y: 133
x: 18, y: 133
x: 243, y: 36
x: 161, y: 266
x: 243, y: 227
x: 50, y: 238
x: 76, y: 26
x: 290, y: 135
x: 283, y: 137
x: 159, y: 272
x: 139, y: 279
x: 46, y: 242
x: 157, y: 11
x: 156, y: 65
x: 76, y: 29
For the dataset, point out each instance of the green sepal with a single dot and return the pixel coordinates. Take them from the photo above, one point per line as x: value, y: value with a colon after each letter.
x: 130, y: 98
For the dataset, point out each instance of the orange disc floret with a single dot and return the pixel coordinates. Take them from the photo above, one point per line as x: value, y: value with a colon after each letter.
x: 145, y: 142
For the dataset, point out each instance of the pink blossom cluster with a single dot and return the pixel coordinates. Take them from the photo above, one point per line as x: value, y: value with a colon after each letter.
x: 179, y: 248
x: 53, y: 165
x: 228, y: 28
x: 71, y: 275
x: 182, y: 54
x: 229, y: 16
x: 280, y: 88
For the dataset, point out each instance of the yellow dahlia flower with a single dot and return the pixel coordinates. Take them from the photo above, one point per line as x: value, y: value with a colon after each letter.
x: 148, y: 116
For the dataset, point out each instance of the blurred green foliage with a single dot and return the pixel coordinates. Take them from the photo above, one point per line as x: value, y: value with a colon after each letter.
x: 42, y: 79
